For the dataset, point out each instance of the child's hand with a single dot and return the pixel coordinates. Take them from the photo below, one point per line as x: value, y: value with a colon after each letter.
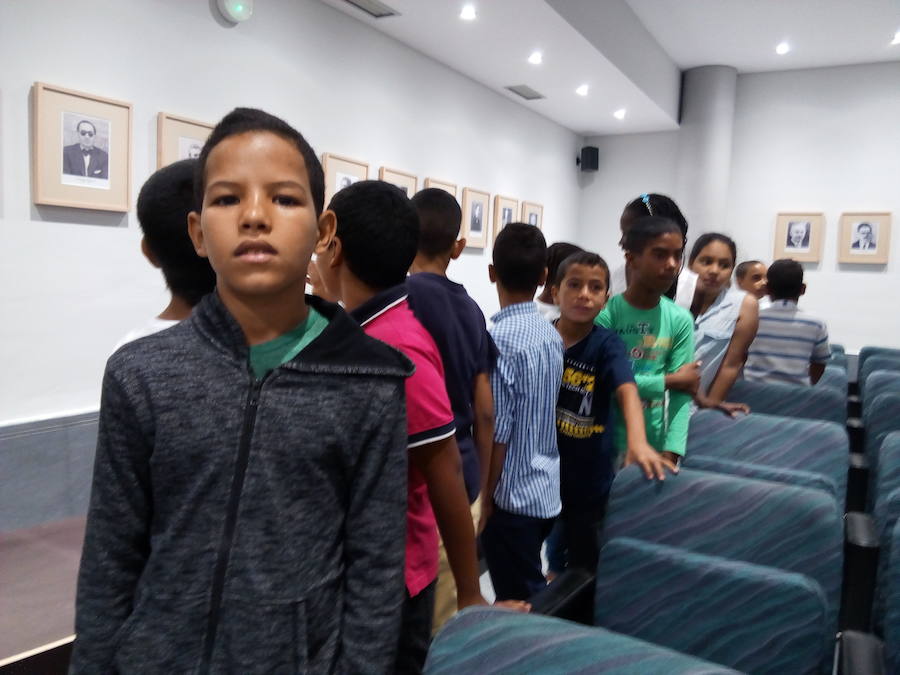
x: 730, y: 409
x: 514, y: 605
x: 686, y: 378
x: 487, y: 509
x: 463, y: 601
x: 651, y: 462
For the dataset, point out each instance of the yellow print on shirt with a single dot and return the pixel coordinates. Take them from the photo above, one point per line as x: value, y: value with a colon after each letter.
x: 578, y: 380
x: 576, y: 426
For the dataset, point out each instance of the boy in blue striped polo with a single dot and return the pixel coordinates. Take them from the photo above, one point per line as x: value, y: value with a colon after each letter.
x: 523, y: 477
x: 790, y: 345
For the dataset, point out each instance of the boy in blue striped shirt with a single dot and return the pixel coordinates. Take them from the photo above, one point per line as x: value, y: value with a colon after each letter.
x: 790, y: 346
x: 522, y: 495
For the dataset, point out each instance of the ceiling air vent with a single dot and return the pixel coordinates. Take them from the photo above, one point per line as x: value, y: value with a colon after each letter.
x: 375, y: 9
x: 525, y: 92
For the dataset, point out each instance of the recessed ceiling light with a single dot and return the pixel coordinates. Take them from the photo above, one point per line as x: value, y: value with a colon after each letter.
x: 468, y: 13
x: 782, y: 48
x: 582, y: 90
x: 620, y: 114
x: 536, y: 58
x: 896, y: 40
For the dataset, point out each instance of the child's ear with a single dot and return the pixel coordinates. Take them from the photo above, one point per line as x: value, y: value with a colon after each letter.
x: 327, y: 227
x: 554, y: 291
x: 148, y: 254
x: 802, y: 289
x: 492, y: 274
x: 542, y: 281
x: 336, y: 249
x: 196, y: 233
x: 457, y: 249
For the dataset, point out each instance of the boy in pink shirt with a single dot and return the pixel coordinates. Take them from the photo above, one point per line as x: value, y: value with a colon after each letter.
x: 365, y: 266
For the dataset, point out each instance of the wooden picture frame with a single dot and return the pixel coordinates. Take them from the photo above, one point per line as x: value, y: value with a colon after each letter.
x: 179, y: 138
x: 864, y: 245
x: 475, y: 209
x: 799, y: 236
x: 405, y: 181
x: 340, y: 172
x: 533, y: 214
x: 505, y: 211
x: 441, y: 185
x: 81, y: 152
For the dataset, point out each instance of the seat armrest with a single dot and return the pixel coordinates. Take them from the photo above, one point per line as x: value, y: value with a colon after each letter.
x: 861, y: 550
x: 569, y: 596
x: 860, y: 654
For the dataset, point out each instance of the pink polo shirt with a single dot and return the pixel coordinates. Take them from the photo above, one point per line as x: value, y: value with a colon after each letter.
x: 429, y: 418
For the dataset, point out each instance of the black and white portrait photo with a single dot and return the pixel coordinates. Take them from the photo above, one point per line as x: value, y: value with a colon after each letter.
x: 475, y: 218
x: 506, y: 215
x: 532, y: 219
x: 189, y: 148
x: 797, y: 235
x: 85, y: 153
x: 865, y: 238
x: 343, y: 180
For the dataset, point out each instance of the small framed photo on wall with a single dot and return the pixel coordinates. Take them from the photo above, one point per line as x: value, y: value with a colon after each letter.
x: 441, y: 185
x: 341, y: 172
x: 179, y: 138
x: 865, y: 238
x: 505, y: 210
x: 475, y: 205
x: 533, y: 214
x: 405, y: 181
x: 799, y: 236
x: 82, y: 149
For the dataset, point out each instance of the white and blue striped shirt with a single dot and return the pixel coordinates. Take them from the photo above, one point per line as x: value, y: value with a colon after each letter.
x: 787, y: 341
x: 526, y: 384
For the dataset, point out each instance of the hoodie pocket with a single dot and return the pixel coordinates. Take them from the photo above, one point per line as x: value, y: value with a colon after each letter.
x: 261, y: 636
x: 162, y: 635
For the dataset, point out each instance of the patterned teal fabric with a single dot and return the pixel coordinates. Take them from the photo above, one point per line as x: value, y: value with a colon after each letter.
x: 837, y: 348
x: 892, y: 623
x: 792, y: 400
x: 835, y: 376
x: 867, y: 352
x: 763, y: 472
x: 881, y: 417
x: 798, y: 444
x: 761, y: 522
x: 880, y: 381
x: 486, y: 641
x: 887, y: 515
x: 752, y: 618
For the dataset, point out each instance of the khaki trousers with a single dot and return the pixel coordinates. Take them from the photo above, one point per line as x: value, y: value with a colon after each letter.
x: 445, y: 593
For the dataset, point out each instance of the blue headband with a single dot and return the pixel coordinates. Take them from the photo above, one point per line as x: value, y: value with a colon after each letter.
x: 646, y: 199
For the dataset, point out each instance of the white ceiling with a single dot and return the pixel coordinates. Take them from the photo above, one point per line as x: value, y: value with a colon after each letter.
x: 494, y: 49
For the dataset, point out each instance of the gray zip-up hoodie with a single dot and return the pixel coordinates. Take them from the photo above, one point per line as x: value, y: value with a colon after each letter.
x: 245, y: 526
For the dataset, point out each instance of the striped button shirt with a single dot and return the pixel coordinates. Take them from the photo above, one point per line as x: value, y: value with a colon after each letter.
x: 787, y: 341
x: 525, y: 384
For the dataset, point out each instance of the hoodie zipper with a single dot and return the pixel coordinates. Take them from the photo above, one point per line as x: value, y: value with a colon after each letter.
x: 225, y: 543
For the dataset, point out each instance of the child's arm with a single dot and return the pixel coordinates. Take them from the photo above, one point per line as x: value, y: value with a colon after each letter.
x: 117, y: 539
x: 483, y: 405
x: 441, y: 467
x: 503, y: 380
x: 679, y: 401
x: 736, y: 354
x: 816, y: 370
x: 375, y: 543
x: 820, y: 355
x: 639, y: 451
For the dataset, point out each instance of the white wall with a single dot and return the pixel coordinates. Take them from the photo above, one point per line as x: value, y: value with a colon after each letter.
x: 73, y: 282
x: 809, y: 140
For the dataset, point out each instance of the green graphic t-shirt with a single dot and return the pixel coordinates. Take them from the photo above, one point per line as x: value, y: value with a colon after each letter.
x: 269, y: 355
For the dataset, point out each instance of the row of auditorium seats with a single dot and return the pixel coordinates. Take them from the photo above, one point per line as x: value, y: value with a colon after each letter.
x: 747, y: 560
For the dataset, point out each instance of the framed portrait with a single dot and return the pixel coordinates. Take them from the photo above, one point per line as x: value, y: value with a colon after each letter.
x: 179, y: 138
x: 341, y: 172
x: 799, y: 236
x: 533, y: 214
x: 505, y: 211
x: 475, y: 205
x: 442, y: 185
x: 81, y: 156
x: 865, y: 238
x: 405, y: 181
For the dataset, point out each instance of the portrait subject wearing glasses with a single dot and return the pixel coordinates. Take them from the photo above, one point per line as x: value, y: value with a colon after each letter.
x: 84, y: 157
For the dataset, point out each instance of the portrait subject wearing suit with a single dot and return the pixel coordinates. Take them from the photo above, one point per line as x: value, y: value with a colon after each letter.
x: 83, y: 158
x: 865, y: 238
x: 797, y: 235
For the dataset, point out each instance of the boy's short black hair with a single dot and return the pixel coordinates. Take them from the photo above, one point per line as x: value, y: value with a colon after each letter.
x: 439, y: 219
x: 785, y: 279
x: 163, y: 206
x: 653, y: 204
x: 379, y: 231
x: 556, y: 253
x: 706, y: 239
x: 244, y: 120
x: 646, y: 229
x: 580, y: 258
x: 520, y: 256
x: 741, y: 270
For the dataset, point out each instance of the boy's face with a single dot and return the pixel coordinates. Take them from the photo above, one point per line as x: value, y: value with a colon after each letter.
x: 582, y: 293
x: 658, y: 264
x: 754, y: 281
x: 258, y: 226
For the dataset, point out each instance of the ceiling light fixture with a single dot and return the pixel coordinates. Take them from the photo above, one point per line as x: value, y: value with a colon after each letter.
x: 896, y: 40
x: 620, y: 114
x: 782, y: 48
x: 468, y: 13
x: 582, y: 90
x: 536, y: 58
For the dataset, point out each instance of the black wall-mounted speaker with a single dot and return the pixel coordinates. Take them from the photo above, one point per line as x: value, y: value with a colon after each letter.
x: 590, y: 158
